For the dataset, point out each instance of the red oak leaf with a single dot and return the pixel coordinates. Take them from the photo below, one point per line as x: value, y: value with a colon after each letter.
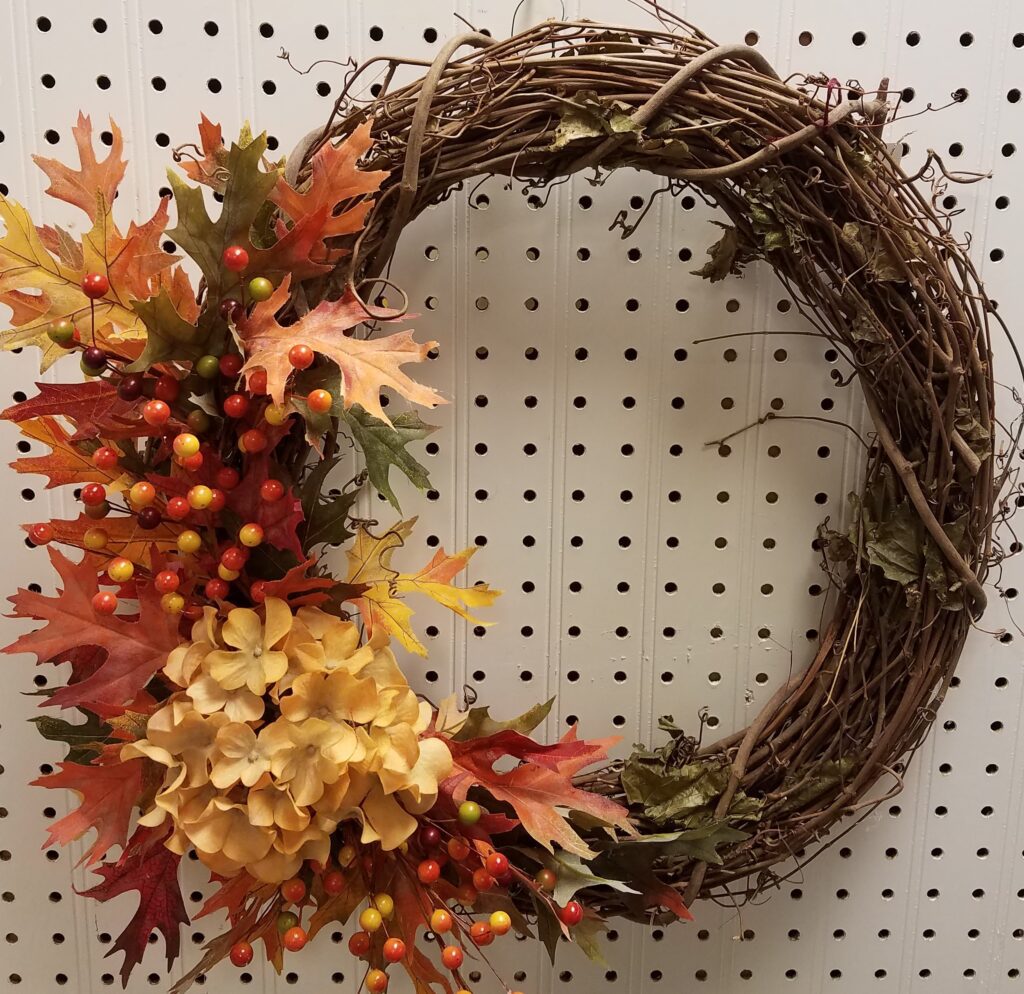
x: 136, y: 650
x: 538, y: 787
x: 279, y: 519
x: 335, y: 178
x: 109, y: 790
x: 81, y: 186
x: 366, y: 365
x: 152, y: 869
x: 298, y: 589
x: 231, y: 895
x: 93, y: 406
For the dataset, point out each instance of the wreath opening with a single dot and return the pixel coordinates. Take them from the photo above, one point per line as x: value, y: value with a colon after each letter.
x: 249, y: 705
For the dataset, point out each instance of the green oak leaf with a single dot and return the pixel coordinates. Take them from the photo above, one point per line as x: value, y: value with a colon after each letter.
x: 574, y: 874
x: 169, y: 337
x: 83, y: 740
x: 670, y: 793
x: 479, y: 722
x: 326, y: 516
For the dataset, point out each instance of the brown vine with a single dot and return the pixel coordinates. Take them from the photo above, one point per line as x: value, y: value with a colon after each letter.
x: 870, y: 261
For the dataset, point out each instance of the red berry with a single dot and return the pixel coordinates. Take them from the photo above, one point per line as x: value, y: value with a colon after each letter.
x: 571, y: 914
x: 227, y: 478
x: 258, y: 594
x: 149, y: 518
x: 217, y: 500
x: 95, y: 285
x: 458, y: 849
x: 193, y: 463
x: 235, y: 258
x: 167, y: 388
x: 394, y: 950
x: 334, y: 882
x: 234, y: 558
x: 377, y: 980
x: 293, y: 890
x: 301, y: 356
x: 272, y: 491
x: 253, y: 440
x: 41, y: 534
x: 257, y: 382
x: 94, y: 357
x: 216, y: 589
x: 178, y: 509
x: 93, y: 494
x: 104, y: 602
x: 230, y: 364
x: 130, y: 387
x: 105, y: 457
x: 359, y: 943
x: 236, y: 405
x: 481, y: 933
x: 166, y: 581
x: 319, y: 401
x: 241, y: 954
x: 430, y: 837
x: 482, y: 880
x: 452, y: 957
x: 156, y: 413
x: 294, y: 939
x: 497, y: 864
x: 428, y: 871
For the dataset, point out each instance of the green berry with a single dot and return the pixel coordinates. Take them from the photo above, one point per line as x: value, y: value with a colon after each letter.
x: 61, y: 332
x: 208, y: 367
x: 199, y: 421
x: 286, y: 920
x: 260, y: 288
x: 469, y: 812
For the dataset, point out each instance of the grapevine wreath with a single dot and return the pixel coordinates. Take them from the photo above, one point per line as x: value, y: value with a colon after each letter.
x: 241, y: 702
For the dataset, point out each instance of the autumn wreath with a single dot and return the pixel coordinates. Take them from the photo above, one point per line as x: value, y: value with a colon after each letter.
x: 248, y: 705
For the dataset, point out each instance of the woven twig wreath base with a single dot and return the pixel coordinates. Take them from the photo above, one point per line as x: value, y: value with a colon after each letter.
x: 810, y: 188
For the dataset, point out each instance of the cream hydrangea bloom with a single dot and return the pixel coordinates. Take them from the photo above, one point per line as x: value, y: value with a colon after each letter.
x: 285, y: 726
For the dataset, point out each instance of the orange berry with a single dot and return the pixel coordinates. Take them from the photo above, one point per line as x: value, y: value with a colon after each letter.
x: 301, y: 356
x: 441, y: 921
x: 394, y: 950
x: 105, y: 457
x: 377, y: 981
x: 156, y: 413
x: 428, y: 871
x: 293, y: 890
x: 104, y: 602
x: 257, y: 382
x: 250, y: 535
x: 177, y: 509
x: 252, y: 440
x: 294, y: 939
x: 241, y: 954
x: 199, y: 497
x: 334, y: 882
x: 319, y: 401
x: 142, y: 494
x: 497, y: 864
x: 458, y: 849
x: 271, y: 491
x: 481, y: 934
x: 500, y: 922
x: 452, y: 957
x: 166, y: 581
x: 42, y: 533
x: 482, y: 880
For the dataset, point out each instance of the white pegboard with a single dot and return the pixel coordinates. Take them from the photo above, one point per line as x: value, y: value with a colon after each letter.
x: 645, y: 572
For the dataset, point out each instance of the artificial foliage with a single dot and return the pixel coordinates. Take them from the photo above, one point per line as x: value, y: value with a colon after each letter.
x: 224, y: 693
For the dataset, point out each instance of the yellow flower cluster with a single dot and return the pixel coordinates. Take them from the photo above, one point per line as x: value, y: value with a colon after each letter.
x: 284, y: 727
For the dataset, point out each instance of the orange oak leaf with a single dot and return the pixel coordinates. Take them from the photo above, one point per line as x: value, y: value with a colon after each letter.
x: 335, y: 178
x: 124, y: 537
x: 136, y: 649
x: 366, y: 365
x: 538, y: 787
x: 81, y: 186
x: 211, y: 169
x: 67, y: 462
x: 298, y: 588
x: 108, y: 791
x: 150, y: 868
x: 231, y: 895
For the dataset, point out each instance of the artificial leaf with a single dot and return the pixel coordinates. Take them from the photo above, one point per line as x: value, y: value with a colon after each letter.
x: 478, y: 723
x: 326, y: 515
x: 335, y: 179
x: 340, y: 906
x: 298, y: 588
x: 586, y: 115
x: 211, y: 170
x: 896, y: 544
x: 869, y: 249
x: 668, y: 794
x: 108, y: 789
x: 68, y: 462
x: 231, y: 896
x: 538, y: 788
x: 384, y: 446
x: 586, y: 935
x: 279, y: 519
x: 801, y: 789
x: 93, y: 407
x: 84, y: 740
x: 125, y: 537
x: 574, y: 874
x: 549, y: 929
x: 169, y: 336
x: 728, y: 256
x: 367, y: 365
x: 369, y: 561
x: 149, y: 867
x: 94, y: 182
x: 135, y: 649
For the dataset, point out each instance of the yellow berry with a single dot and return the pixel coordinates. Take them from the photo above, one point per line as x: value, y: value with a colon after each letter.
x: 185, y: 445
x: 95, y: 539
x: 385, y: 904
x: 172, y: 603
x: 250, y: 535
x: 120, y: 570
x: 346, y: 854
x: 199, y: 497
x: 227, y: 574
x: 370, y: 920
x: 142, y: 494
x: 189, y: 541
x: 500, y: 922
x: 275, y: 414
